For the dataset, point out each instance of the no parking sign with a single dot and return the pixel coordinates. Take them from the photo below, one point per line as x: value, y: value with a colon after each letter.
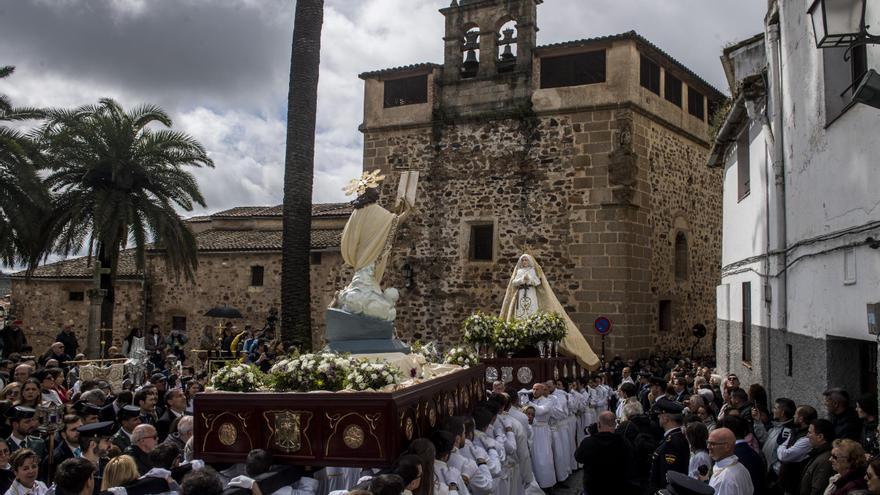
x: 602, y: 326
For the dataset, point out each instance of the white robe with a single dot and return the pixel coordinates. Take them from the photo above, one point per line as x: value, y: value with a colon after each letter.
x: 542, y: 443
x: 526, y: 279
x: 494, y: 460
x: 479, y: 481
x: 730, y: 477
x: 446, y: 475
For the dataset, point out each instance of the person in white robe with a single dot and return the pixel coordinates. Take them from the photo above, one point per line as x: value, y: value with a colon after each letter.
x: 483, y: 483
x: 483, y: 438
x: 477, y: 477
x: 528, y: 293
x: 562, y: 454
x: 729, y: 476
x: 542, y: 437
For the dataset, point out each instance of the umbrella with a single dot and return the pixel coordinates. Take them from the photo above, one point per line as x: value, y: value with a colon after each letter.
x: 224, y: 312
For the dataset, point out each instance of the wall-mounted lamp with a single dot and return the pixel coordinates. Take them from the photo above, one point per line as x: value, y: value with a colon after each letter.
x: 408, y: 276
x: 840, y: 23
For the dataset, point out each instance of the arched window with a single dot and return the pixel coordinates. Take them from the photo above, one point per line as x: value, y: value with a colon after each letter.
x: 681, y: 257
x: 506, y: 43
x: 470, y: 46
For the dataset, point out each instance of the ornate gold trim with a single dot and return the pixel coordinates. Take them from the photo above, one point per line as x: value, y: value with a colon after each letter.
x: 353, y: 436
x: 211, y: 419
x: 336, y: 419
x: 297, y: 418
x: 227, y: 434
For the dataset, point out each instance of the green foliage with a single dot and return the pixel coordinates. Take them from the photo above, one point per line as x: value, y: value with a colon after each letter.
x: 117, y: 177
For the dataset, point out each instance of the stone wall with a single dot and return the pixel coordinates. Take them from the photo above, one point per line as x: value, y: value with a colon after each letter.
x: 593, y: 195
x: 686, y: 198
x: 225, y: 278
x: 221, y: 278
x: 44, y: 306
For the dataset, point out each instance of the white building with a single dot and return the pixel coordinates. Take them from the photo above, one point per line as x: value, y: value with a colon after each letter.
x: 801, y: 208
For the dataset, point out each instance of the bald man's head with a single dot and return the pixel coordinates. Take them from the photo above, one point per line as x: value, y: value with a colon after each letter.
x: 721, y: 443
x: 606, y: 421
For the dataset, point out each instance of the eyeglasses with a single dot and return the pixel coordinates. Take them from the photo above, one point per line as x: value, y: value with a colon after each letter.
x: 835, y: 457
x: 716, y: 444
x: 4, y: 451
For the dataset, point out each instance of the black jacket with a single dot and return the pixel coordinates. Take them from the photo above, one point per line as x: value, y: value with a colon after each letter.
x: 69, y: 341
x: 607, y: 460
x: 673, y: 454
x: 141, y: 458
x: 754, y: 463
x: 847, y: 425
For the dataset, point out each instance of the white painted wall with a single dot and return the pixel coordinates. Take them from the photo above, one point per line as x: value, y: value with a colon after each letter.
x: 744, y: 223
x: 832, y: 183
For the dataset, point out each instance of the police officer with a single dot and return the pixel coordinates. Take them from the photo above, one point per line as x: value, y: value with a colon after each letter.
x: 673, y: 452
x: 680, y: 484
x: 94, y: 441
x: 24, y: 422
x: 128, y: 418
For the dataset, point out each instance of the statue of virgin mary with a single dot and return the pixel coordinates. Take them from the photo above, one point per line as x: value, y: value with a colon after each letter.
x: 528, y: 292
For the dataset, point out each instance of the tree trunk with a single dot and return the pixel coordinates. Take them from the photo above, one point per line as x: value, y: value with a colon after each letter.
x: 299, y: 162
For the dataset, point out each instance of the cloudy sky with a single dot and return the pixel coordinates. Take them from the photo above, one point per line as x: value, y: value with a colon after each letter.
x: 220, y: 67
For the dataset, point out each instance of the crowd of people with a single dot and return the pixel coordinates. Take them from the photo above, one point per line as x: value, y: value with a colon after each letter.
x: 642, y: 427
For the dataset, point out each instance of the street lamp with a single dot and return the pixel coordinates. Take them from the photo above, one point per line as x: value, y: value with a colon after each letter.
x: 840, y: 23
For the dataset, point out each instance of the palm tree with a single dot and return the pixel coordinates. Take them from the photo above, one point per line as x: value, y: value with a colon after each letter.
x: 116, y: 179
x: 22, y: 195
x: 299, y: 163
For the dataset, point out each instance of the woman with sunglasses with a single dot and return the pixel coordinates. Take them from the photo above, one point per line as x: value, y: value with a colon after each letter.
x: 848, y: 461
x: 10, y: 392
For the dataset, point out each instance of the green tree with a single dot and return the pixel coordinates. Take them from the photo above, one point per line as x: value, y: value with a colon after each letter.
x: 299, y: 170
x: 117, y: 178
x: 23, y: 198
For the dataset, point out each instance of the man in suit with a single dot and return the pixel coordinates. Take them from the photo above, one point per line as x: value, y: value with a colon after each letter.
x: 24, y: 422
x: 66, y: 445
x: 176, y: 401
x: 673, y: 453
x: 129, y: 418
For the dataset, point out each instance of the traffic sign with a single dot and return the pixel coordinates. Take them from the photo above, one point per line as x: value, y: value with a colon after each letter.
x: 602, y: 325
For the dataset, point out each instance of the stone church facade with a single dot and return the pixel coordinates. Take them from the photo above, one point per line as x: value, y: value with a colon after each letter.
x: 588, y: 154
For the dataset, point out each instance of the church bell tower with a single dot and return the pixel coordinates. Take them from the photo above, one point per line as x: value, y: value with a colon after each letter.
x: 487, y: 65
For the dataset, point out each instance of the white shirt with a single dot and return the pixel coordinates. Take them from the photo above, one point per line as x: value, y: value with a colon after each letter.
x: 729, y: 477
x: 797, y: 452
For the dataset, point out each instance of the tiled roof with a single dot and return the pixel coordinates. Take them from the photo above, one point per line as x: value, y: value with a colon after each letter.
x: 632, y: 35
x: 207, y: 241
x: 83, y: 268
x: 318, y: 210
x: 260, y: 240
x: 404, y: 68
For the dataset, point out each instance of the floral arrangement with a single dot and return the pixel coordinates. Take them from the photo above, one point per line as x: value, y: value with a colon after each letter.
x: 429, y: 351
x: 461, y: 356
x: 306, y: 372
x: 365, y: 374
x: 546, y: 327
x: 238, y: 377
x: 511, y: 336
x: 479, y: 328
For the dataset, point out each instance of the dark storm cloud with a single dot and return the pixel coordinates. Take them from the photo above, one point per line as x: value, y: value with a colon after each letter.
x: 220, y: 67
x: 176, y: 52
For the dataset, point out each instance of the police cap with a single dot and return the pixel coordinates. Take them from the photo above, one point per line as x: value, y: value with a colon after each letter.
x: 100, y: 429
x: 680, y: 484
x: 20, y: 412
x: 128, y: 412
